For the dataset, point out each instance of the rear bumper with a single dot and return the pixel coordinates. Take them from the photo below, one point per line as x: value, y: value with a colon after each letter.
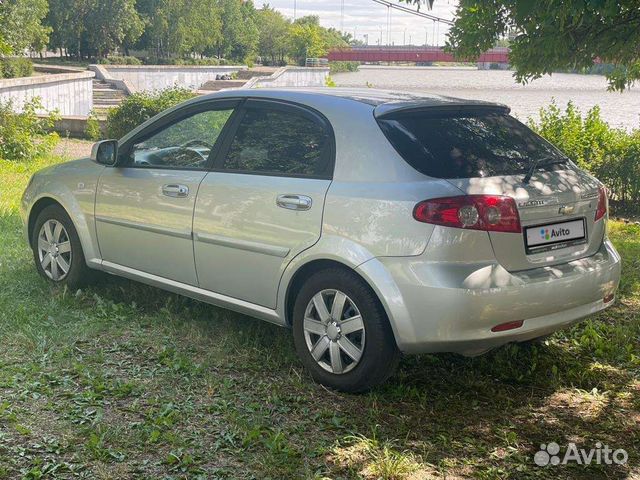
x: 449, y: 307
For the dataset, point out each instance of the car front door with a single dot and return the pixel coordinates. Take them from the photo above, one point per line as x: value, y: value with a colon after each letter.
x: 144, y: 205
x: 262, y: 203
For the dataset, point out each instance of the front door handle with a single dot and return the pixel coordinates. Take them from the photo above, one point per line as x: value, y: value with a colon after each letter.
x: 175, y: 190
x: 294, y: 202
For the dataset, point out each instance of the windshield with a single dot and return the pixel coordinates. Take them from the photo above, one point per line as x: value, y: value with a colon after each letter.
x: 455, y: 145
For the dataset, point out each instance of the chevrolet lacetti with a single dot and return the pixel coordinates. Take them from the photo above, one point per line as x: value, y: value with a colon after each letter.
x: 372, y: 223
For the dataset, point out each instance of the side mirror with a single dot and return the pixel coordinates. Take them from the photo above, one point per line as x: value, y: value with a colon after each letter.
x: 105, y: 152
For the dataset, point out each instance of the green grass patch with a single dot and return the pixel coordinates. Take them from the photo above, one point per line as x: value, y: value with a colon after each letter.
x: 123, y: 380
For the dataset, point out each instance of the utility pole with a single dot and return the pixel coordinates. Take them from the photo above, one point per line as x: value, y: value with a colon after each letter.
x: 294, y: 9
x: 342, y: 16
x: 434, y: 33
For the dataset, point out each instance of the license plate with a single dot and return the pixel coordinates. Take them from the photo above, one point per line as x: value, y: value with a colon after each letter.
x: 552, y: 236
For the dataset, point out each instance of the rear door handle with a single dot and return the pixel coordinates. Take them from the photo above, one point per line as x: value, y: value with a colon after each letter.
x: 294, y: 202
x: 175, y: 190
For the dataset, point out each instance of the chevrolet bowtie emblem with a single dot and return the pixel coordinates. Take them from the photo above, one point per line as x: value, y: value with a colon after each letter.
x: 566, y: 209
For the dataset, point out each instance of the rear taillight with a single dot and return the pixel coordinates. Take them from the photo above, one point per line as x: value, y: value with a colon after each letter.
x: 601, y: 210
x: 493, y: 213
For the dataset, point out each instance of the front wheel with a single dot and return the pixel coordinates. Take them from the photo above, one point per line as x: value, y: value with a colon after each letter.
x: 57, y: 250
x: 342, y: 333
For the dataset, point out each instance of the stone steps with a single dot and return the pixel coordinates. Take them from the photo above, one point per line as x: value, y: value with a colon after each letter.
x: 105, y: 97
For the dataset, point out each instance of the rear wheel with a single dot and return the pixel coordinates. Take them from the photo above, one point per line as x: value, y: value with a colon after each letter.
x: 57, y: 251
x: 342, y: 333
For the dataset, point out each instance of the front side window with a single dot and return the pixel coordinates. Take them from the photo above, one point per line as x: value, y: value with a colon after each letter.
x: 460, y: 145
x: 185, y: 143
x: 279, y: 142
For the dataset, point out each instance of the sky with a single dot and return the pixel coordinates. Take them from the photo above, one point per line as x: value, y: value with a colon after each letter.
x: 364, y: 18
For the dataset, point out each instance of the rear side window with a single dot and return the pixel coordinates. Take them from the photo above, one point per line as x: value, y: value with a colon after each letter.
x: 281, y: 142
x: 486, y: 144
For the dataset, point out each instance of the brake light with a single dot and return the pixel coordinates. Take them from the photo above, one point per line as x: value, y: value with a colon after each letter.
x: 603, y: 206
x: 492, y: 213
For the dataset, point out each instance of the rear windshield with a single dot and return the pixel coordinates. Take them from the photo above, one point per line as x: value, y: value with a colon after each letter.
x: 459, y: 145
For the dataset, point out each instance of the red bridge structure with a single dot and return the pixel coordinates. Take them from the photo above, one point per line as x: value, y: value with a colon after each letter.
x: 413, y: 54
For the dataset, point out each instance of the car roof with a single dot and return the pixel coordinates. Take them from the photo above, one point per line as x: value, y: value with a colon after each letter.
x: 384, y: 102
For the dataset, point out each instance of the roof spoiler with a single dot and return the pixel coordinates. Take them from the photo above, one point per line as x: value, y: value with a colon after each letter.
x: 398, y: 109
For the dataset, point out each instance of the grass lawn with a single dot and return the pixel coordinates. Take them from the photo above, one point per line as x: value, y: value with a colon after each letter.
x: 128, y: 381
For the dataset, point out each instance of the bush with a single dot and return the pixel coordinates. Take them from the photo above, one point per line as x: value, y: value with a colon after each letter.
x: 92, y: 130
x: 24, y: 135
x: 340, y: 67
x: 611, y: 154
x: 186, y: 61
x: 120, y: 60
x: 139, y: 107
x: 15, y: 67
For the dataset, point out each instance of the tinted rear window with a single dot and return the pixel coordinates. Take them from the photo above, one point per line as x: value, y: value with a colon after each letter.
x: 459, y: 145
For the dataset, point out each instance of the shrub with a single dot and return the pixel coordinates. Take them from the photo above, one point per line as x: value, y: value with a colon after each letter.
x: 340, y: 67
x: 92, y: 130
x: 139, y: 107
x: 15, y: 67
x: 120, y: 60
x: 187, y: 61
x: 611, y: 154
x: 24, y: 135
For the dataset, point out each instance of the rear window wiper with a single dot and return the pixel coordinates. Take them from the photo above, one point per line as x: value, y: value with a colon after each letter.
x: 543, y: 161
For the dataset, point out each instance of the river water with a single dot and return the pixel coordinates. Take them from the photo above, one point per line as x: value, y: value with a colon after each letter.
x: 619, y: 109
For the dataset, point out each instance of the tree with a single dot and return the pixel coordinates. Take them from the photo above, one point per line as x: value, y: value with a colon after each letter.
x: 306, y: 41
x: 93, y: 27
x: 240, y: 36
x: 111, y: 23
x: 21, y: 25
x: 552, y: 35
x: 184, y: 27
x: 273, y: 29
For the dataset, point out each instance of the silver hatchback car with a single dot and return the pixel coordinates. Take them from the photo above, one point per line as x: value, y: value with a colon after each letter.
x: 373, y: 223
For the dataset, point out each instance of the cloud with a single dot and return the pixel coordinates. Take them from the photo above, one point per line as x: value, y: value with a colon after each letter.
x: 365, y: 17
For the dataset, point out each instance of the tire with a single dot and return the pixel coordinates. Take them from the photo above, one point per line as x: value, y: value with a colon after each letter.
x: 379, y: 355
x: 65, y: 249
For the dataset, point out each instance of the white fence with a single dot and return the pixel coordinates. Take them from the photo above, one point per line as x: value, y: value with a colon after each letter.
x: 68, y: 93
x: 136, y: 78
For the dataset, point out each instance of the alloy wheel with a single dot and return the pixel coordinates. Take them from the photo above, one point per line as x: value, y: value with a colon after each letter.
x: 334, y: 331
x: 54, y: 250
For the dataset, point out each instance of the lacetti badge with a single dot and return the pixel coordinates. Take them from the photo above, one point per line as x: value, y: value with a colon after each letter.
x: 551, y: 233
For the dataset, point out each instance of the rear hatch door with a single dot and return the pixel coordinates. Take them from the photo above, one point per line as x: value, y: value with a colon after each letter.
x: 482, y: 150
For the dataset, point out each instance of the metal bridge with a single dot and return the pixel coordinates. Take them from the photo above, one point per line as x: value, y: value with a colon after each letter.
x: 412, y: 54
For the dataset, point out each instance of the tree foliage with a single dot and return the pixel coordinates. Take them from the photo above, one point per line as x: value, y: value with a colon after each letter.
x: 183, y: 27
x: 273, y: 34
x: 93, y: 28
x: 21, y: 25
x: 552, y: 35
x: 310, y: 40
x: 169, y: 31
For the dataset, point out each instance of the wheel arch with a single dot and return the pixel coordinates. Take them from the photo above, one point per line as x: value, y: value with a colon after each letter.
x: 78, y: 218
x: 305, y: 271
x: 36, y: 209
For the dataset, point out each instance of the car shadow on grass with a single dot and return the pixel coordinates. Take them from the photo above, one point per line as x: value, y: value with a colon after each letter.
x: 439, y: 415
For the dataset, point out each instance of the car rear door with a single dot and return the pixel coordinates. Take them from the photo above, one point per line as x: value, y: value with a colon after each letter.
x: 262, y: 203
x: 144, y: 206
